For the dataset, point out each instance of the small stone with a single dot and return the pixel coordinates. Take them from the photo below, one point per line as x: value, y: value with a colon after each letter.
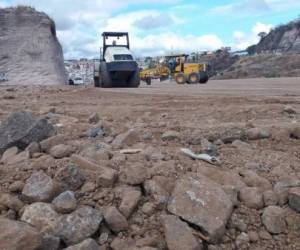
x: 94, y: 118
x: 264, y: 235
x: 258, y: 134
x: 61, y: 151
x: 103, y: 238
x: 88, y: 187
x: 295, y: 133
x: 252, y: 179
x: 115, y: 220
x: 273, y: 219
x: 270, y: 198
x: 50, y: 242
x: 19, y: 158
x: 70, y: 177
x: 42, y: 216
x: 294, y: 199
x: 282, y: 188
x: 130, y: 200
x: 289, y: 110
x: 170, y: 136
x: 16, y: 186
x: 178, y: 234
x: 156, y: 190
x: 16, y: 235
x: 33, y: 148
x: 129, y: 138
x: 65, y: 202
x: 79, y: 225
x: 133, y: 174
x: 232, y: 193
x: 11, y: 202
x: 253, y: 236
x: 9, y: 153
x: 242, y: 146
x: 39, y: 187
x: 242, y: 240
x: 148, y: 208
x: 47, y: 144
x: 237, y: 223
x: 94, y: 132
x: 88, y: 244
x: 251, y: 197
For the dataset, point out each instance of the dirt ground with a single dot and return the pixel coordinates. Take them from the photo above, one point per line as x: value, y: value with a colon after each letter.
x: 194, y: 111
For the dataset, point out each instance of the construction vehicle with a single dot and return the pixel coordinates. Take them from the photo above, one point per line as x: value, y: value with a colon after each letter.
x: 179, y: 69
x: 117, y: 67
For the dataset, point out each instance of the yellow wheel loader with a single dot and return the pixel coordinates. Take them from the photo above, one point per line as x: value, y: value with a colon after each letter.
x: 178, y: 68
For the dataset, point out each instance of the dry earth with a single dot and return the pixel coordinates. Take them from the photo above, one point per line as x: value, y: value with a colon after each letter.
x: 251, y: 125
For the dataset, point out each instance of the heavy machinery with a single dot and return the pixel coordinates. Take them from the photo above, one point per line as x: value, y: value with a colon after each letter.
x: 117, y: 67
x: 178, y: 68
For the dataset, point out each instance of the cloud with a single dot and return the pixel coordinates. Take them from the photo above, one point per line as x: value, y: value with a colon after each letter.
x: 243, y: 40
x: 154, y: 21
x: 241, y: 7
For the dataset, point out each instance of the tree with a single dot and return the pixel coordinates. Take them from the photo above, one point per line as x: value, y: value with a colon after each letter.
x: 262, y: 35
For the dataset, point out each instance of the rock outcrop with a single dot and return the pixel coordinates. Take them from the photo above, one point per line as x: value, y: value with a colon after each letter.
x: 284, y: 38
x: 30, y: 52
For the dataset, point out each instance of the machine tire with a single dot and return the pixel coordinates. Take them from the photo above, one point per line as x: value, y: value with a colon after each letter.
x: 180, y: 78
x: 97, y: 82
x: 135, y: 80
x: 194, y: 78
x: 105, y: 81
x: 148, y: 80
x: 203, y: 77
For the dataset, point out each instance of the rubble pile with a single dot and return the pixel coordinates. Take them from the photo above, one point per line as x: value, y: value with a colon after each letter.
x: 132, y: 188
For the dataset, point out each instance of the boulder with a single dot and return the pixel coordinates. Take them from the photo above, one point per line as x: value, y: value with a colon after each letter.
x: 22, y: 128
x: 65, y: 202
x: 79, y: 225
x: 178, y: 235
x: 42, y: 216
x: 39, y: 187
x: 30, y: 35
x: 258, y: 134
x: 273, y: 218
x: 70, y: 177
x: 60, y: 151
x: 294, y: 199
x: 115, y: 220
x: 88, y: 244
x: 16, y: 235
x: 202, y: 202
x: 251, y: 197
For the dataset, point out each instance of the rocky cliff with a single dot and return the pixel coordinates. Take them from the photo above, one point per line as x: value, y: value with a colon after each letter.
x: 30, y: 52
x: 284, y: 38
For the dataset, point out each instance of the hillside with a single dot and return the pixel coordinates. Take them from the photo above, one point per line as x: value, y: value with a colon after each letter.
x: 263, y: 65
x: 30, y: 52
x: 284, y: 39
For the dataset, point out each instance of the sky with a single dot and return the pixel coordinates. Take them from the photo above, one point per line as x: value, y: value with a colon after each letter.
x: 159, y: 27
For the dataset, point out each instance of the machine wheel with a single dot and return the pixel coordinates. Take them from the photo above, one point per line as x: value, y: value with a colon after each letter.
x: 105, y: 81
x: 135, y: 80
x: 148, y: 80
x: 194, y: 78
x: 203, y: 77
x: 180, y: 78
x: 97, y: 82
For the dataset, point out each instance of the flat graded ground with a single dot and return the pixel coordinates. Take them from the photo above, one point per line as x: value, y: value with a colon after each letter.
x: 212, y: 111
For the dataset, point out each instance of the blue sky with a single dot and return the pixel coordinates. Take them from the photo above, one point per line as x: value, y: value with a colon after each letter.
x: 159, y: 27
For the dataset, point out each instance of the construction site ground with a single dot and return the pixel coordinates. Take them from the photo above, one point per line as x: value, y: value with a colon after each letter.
x: 208, y: 111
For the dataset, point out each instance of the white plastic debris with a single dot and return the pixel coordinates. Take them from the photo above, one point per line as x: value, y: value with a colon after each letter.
x: 204, y: 157
x: 131, y: 151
